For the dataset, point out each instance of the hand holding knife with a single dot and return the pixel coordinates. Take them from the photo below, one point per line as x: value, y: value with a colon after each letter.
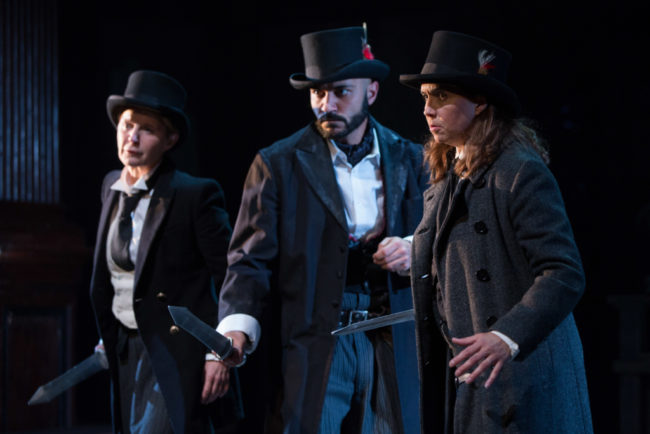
x: 228, y: 348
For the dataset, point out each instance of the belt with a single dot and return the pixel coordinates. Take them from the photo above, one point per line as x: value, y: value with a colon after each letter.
x: 347, y: 317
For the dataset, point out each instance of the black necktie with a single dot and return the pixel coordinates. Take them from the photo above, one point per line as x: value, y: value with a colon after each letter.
x: 124, y: 231
x: 355, y: 153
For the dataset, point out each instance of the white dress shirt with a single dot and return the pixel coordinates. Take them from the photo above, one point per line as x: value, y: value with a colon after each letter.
x: 362, y: 190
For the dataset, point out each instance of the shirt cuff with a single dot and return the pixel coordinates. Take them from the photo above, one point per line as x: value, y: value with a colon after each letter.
x: 242, y: 323
x: 514, y: 348
x: 211, y: 358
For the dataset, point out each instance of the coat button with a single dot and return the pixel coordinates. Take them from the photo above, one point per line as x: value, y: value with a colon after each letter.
x: 426, y: 318
x: 174, y: 330
x: 480, y: 183
x: 339, y: 274
x: 424, y: 276
x: 480, y: 227
x: 161, y: 296
x: 335, y: 303
x: 342, y: 248
x: 490, y: 321
x: 483, y: 275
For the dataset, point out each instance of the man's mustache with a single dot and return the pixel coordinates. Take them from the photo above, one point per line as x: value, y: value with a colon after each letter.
x: 331, y: 117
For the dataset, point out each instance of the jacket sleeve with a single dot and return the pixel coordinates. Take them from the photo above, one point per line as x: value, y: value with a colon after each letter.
x: 254, y: 245
x: 212, y: 230
x: 544, y: 236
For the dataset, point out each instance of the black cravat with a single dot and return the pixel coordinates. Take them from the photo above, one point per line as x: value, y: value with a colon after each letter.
x: 355, y: 153
x: 124, y: 231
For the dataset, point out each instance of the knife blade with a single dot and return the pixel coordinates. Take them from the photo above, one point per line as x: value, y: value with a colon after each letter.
x: 88, y: 367
x: 371, y: 324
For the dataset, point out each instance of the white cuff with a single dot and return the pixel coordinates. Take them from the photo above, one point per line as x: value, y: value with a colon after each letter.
x: 514, y: 348
x: 211, y: 357
x: 242, y: 323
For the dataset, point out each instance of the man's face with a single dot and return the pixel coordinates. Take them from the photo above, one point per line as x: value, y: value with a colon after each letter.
x: 142, y: 139
x: 341, y: 107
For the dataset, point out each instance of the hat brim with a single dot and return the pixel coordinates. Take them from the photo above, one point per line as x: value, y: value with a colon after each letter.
x: 373, y: 69
x: 116, y: 104
x: 496, y: 92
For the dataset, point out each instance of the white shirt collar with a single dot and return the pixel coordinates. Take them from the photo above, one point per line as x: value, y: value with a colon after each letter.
x: 140, y: 184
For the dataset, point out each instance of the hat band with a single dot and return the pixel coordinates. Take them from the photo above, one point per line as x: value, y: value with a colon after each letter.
x: 435, y: 68
x: 316, y: 72
x: 153, y: 101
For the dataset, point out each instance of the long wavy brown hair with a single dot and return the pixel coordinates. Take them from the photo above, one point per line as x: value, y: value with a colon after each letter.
x: 487, y: 136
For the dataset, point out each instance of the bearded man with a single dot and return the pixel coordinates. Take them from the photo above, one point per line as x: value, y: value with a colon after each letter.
x: 321, y: 241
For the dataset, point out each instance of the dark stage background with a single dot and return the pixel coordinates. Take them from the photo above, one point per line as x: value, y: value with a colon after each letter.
x: 579, y: 72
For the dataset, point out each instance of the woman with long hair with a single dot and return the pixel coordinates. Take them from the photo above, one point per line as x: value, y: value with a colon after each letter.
x: 495, y: 267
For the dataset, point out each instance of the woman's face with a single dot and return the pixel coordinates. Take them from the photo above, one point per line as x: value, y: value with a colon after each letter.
x: 448, y: 114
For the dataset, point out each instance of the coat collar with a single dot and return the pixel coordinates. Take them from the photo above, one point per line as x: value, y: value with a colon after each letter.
x: 456, y: 205
x: 314, y: 156
x: 394, y: 170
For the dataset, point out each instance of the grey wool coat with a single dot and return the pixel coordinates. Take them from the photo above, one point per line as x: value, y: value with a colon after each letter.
x: 502, y: 257
x: 287, y: 262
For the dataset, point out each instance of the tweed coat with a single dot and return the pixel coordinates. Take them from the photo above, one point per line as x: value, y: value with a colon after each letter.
x: 288, y: 257
x: 502, y: 257
x: 181, y: 257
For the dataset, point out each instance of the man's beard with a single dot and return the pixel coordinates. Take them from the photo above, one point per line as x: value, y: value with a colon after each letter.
x: 350, y: 126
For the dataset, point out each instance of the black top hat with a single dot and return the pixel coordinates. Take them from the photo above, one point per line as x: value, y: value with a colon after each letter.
x: 155, y: 91
x: 337, y: 54
x: 471, y: 63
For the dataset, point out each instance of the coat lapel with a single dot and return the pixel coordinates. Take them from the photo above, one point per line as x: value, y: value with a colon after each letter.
x: 313, y: 155
x: 428, y: 226
x: 455, y: 205
x: 161, y: 200
x: 394, y: 172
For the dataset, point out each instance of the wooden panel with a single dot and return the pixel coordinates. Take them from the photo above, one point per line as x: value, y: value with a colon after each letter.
x: 43, y: 277
x: 35, y: 350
